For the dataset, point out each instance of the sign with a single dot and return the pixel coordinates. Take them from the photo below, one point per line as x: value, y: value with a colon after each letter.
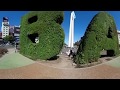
x: 15, y: 34
x: 5, y: 19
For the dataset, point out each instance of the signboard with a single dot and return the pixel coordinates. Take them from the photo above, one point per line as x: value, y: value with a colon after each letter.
x: 16, y: 34
x: 5, y: 19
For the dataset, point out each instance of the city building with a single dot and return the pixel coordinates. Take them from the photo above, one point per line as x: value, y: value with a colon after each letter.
x: 11, y: 30
x: 17, y: 33
x: 5, y: 27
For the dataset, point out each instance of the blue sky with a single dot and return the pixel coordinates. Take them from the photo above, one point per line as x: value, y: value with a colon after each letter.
x: 82, y: 20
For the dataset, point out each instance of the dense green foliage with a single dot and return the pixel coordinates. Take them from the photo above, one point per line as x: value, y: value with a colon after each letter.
x: 9, y: 38
x: 46, y: 25
x: 100, y: 34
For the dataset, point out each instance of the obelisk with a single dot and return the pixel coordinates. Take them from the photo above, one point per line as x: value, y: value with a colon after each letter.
x: 71, y: 30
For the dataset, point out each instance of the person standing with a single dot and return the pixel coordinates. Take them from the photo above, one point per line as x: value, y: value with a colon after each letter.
x: 15, y: 47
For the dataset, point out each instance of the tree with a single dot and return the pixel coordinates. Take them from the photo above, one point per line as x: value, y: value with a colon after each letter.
x: 6, y: 38
x: 9, y: 38
x: 77, y: 43
x: 100, y: 34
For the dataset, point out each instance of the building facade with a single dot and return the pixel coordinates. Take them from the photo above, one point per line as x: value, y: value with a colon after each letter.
x: 5, y: 27
x: 17, y: 33
x: 11, y: 31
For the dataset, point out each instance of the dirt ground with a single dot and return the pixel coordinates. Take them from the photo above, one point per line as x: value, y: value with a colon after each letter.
x: 66, y: 62
x: 62, y: 62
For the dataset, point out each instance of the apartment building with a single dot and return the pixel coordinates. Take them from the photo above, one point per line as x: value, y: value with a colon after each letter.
x: 5, y: 27
x: 17, y: 33
x: 11, y: 30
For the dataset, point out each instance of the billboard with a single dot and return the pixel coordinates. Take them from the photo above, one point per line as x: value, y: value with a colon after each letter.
x: 5, y: 19
x: 16, y: 34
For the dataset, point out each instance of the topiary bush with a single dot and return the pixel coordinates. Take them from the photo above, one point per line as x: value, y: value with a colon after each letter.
x: 101, y: 34
x: 41, y: 35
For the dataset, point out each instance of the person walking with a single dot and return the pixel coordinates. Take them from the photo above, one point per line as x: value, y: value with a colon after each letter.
x: 15, y: 47
x: 71, y: 54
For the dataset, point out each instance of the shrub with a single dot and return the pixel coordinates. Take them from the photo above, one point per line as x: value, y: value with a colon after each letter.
x: 3, y: 51
x: 46, y: 26
x: 0, y: 55
x: 100, y: 34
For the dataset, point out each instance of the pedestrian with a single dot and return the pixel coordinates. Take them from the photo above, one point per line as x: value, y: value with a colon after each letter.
x: 15, y: 47
x: 71, y: 52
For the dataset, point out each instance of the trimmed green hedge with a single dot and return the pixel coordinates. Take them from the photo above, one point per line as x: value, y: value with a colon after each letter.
x: 47, y: 24
x: 100, y: 34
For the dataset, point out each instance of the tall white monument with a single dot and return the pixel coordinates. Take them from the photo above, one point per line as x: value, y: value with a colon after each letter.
x: 71, y: 30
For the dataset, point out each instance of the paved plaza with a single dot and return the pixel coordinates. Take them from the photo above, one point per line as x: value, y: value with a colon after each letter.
x: 57, y: 69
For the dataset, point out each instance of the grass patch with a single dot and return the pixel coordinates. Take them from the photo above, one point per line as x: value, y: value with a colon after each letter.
x: 14, y: 60
x: 115, y: 62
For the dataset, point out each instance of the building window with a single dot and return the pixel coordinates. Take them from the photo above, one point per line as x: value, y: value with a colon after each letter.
x: 5, y: 23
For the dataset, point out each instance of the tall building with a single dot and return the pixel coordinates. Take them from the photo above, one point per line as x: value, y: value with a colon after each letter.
x: 5, y: 27
x: 71, y: 31
x: 11, y: 29
x: 17, y: 33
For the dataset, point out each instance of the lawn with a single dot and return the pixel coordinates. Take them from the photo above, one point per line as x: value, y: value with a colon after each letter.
x: 14, y: 60
x: 115, y: 62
